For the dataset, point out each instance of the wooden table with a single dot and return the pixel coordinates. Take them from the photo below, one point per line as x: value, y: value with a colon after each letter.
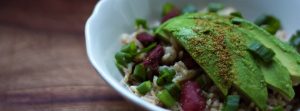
x: 43, y: 61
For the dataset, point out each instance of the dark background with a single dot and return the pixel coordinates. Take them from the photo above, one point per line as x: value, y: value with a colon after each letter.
x: 43, y: 61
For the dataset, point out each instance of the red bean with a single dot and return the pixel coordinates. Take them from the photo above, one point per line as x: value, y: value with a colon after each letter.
x: 191, y: 98
x: 152, y: 60
x: 173, y: 13
x: 145, y: 38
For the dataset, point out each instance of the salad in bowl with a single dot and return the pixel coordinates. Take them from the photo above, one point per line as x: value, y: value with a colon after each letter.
x: 212, y: 59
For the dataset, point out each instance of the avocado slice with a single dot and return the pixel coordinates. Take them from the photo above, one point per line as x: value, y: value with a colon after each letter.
x: 220, y: 52
x: 277, y: 78
x: 276, y: 75
x: 182, y: 29
x: 286, y: 54
x: 199, y: 33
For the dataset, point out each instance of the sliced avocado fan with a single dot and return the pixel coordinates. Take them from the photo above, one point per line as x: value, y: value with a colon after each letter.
x: 219, y: 45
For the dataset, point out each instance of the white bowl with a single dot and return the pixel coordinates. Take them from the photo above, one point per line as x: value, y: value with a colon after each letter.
x: 111, y: 18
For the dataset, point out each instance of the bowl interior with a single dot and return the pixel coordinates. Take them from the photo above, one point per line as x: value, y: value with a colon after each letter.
x: 111, y: 18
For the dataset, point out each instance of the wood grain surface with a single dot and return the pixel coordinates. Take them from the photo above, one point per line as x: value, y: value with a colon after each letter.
x: 43, y: 61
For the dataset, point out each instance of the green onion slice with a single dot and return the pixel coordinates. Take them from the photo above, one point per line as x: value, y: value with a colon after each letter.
x: 165, y: 75
x: 130, y: 48
x: 144, y: 87
x: 140, y: 72
x: 232, y: 103
x: 263, y: 52
x: 173, y: 89
x: 161, y: 80
x: 263, y: 19
x: 236, y: 20
x: 165, y: 97
x: 236, y: 14
x: 269, y: 23
x: 123, y: 58
x: 169, y: 72
x: 120, y: 67
x: 141, y: 23
x: 271, y: 29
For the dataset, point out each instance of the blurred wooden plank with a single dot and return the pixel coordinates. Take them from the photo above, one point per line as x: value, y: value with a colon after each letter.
x: 83, y: 106
x: 66, y: 16
x: 63, y: 94
x: 43, y: 61
x: 33, y: 59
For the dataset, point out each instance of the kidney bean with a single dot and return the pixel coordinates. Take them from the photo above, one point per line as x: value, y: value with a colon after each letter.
x: 153, y: 59
x: 145, y: 38
x: 191, y: 98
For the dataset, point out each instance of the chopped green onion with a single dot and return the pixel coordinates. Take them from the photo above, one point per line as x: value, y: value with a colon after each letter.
x: 272, y: 30
x: 123, y: 58
x: 161, y: 80
x: 165, y: 97
x: 269, y: 23
x: 236, y: 20
x: 278, y: 108
x: 169, y: 72
x: 274, y: 22
x: 295, y: 40
x: 232, y: 103
x: 236, y: 14
x: 173, y: 89
x: 120, y: 67
x: 126, y: 54
x: 261, y: 20
x: 144, y: 87
x: 148, y: 48
x: 214, y: 7
x: 130, y: 48
x: 189, y: 9
x: 140, y: 72
x: 165, y: 76
x: 263, y: 52
x: 167, y: 7
x: 141, y: 23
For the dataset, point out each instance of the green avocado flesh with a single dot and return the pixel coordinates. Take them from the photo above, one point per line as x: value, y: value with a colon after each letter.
x: 220, y: 48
